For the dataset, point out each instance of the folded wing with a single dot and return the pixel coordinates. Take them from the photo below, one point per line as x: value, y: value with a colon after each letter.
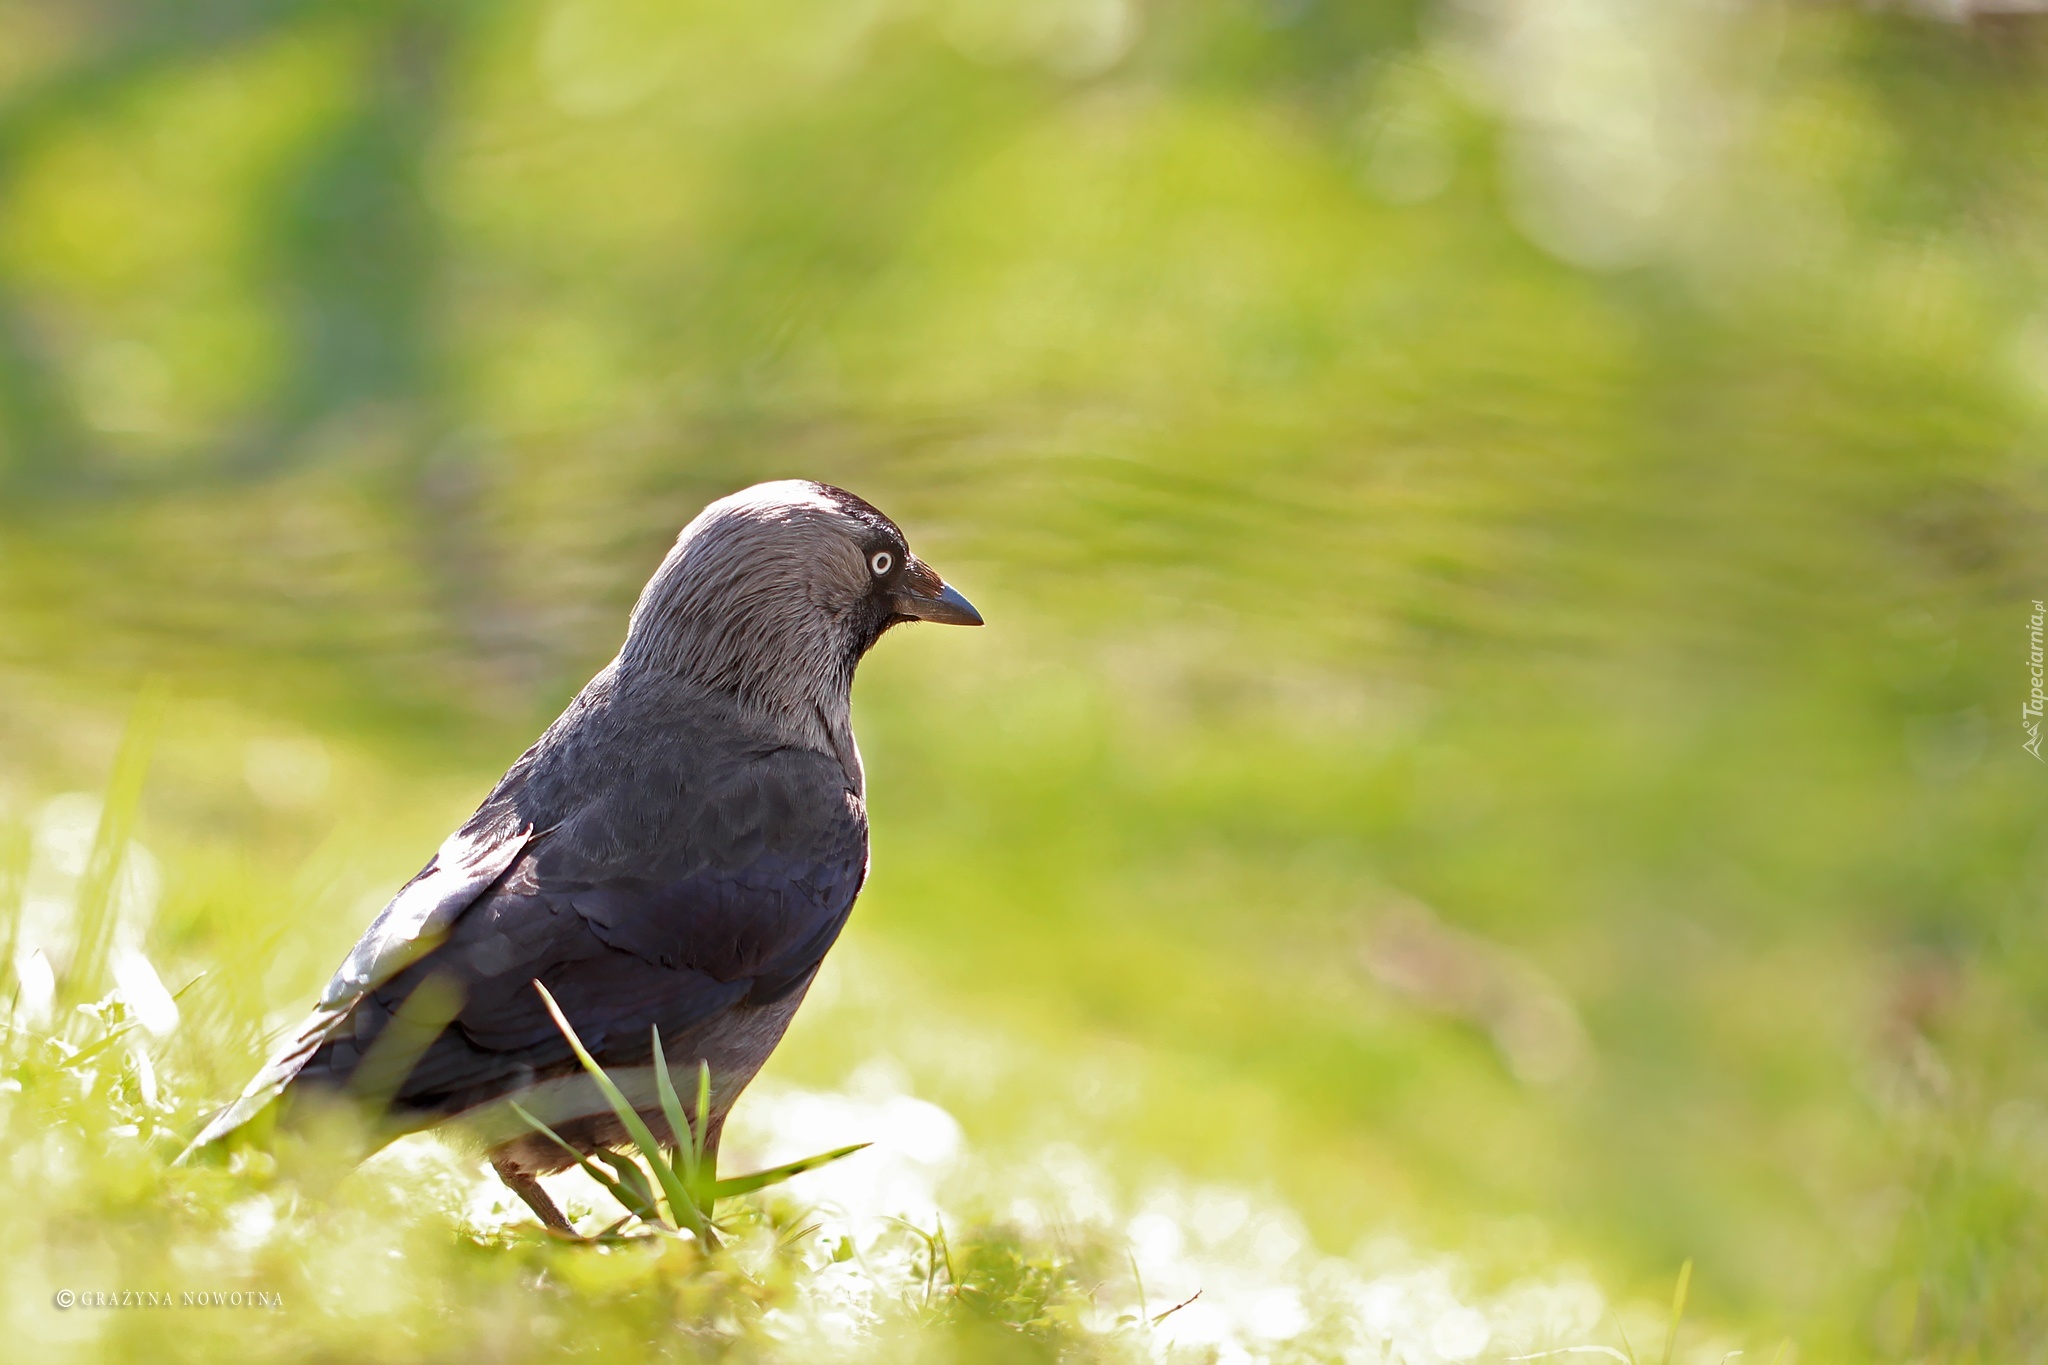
x: 719, y: 903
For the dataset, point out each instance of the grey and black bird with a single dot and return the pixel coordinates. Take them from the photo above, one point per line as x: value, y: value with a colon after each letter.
x: 675, y: 855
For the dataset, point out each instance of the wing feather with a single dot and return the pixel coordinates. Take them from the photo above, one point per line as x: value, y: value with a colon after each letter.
x: 410, y: 926
x: 634, y: 918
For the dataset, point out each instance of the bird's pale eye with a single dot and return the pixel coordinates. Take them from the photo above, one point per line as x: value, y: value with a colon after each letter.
x: 881, y: 561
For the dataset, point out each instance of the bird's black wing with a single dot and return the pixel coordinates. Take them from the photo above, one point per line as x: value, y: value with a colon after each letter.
x: 416, y: 920
x: 734, y: 903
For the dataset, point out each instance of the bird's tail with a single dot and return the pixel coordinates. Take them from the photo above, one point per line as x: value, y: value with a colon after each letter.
x: 259, y: 1097
x: 370, y: 1082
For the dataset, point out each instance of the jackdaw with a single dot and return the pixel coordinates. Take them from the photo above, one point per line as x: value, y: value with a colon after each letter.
x: 676, y: 853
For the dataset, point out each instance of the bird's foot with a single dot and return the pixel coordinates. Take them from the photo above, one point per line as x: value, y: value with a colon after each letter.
x: 536, y: 1198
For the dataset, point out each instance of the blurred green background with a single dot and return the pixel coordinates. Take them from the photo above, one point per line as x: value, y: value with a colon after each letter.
x: 1508, y: 531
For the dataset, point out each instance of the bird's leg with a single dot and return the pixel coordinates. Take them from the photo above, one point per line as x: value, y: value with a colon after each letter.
x: 529, y: 1189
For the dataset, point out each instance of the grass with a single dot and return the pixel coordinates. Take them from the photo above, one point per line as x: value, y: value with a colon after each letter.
x: 287, y: 1252
x: 92, y: 1128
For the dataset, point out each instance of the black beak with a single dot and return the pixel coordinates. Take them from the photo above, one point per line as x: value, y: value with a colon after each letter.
x: 922, y: 595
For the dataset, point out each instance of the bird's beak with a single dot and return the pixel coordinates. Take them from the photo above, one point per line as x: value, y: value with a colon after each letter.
x: 924, y: 596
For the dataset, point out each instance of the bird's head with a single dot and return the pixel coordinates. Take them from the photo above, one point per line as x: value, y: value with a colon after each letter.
x: 775, y: 593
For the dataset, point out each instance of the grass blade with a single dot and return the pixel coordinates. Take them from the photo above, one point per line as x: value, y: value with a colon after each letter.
x: 612, y: 1187
x: 681, y: 1206
x: 411, y: 1030
x: 97, y: 905
x: 1677, y: 1309
x: 14, y: 860
x: 86, y: 1054
x: 700, y: 1131
x: 630, y: 1175
x: 685, y: 1163
x: 775, y: 1175
x: 1627, y: 1345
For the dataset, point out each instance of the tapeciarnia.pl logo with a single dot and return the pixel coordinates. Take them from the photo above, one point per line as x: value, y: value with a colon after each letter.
x: 2030, y: 713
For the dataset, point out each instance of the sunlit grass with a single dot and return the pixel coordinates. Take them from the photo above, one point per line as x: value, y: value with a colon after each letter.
x: 904, y: 1244
x: 1012, y: 1264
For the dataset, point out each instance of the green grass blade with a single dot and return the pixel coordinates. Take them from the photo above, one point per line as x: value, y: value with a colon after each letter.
x: 97, y: 886
x: 611, y: 1186
x: 679, y: 1202
x: 15, y: 848
x: 630, y: 1175
x: 1677, y: 1309
x: 414, y: 1025
x: 1627, y: 1345
x: 86, y: 1054
x: 685, y: 1163
x: 775, y: 1175
x: 700, y: 1131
